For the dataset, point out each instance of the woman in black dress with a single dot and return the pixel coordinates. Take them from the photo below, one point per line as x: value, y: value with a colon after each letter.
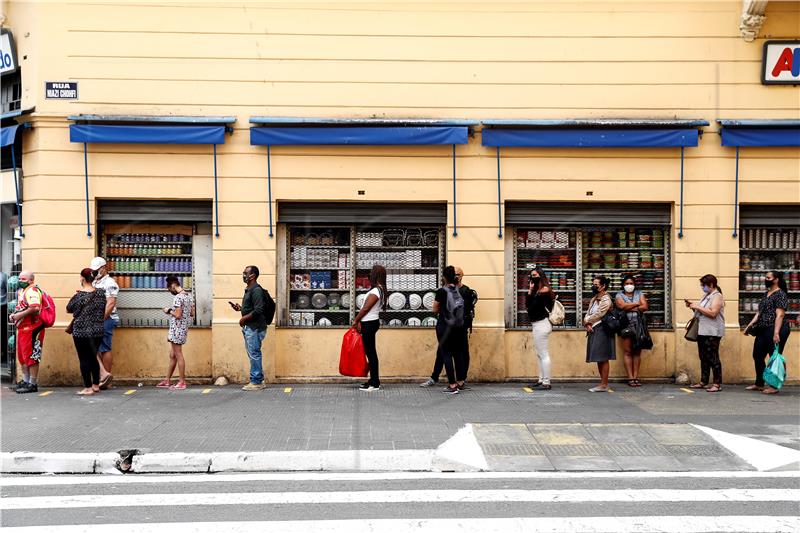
x: 769, y: 327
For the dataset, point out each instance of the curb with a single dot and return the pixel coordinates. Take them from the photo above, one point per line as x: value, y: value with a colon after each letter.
x: 58, y: 463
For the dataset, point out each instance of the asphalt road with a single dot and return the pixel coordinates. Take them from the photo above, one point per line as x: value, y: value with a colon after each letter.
x: 316, y: 502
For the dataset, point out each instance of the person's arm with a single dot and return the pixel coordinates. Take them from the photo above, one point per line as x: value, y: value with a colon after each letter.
x: 643, y: 304
x: 257, y: 298
x: 779, y: 315
x: 73, y: 302
x: 178, y: 311
x: 604, y: 304
x: 623, y: 305
x: 368, y: 304
x: 712, y: 310
x: 28, y: 311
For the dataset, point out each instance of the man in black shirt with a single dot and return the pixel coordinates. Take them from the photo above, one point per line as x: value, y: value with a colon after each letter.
x: 254, y: 325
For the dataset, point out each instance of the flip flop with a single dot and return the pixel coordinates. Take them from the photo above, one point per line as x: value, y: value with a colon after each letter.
x: 698, y: 386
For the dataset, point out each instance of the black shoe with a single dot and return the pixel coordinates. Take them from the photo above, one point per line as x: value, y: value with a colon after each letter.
x: 19, y: 384
x: 463, y: 387
x: 28, y: 387
x: 451, y: 390
x: 535, y: 385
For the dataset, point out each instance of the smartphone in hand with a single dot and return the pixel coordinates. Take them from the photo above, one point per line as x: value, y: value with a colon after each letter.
x: 235, y: 306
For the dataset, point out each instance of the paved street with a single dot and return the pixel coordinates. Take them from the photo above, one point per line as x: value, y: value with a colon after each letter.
x: 338, y: 417
x: 742, y: 502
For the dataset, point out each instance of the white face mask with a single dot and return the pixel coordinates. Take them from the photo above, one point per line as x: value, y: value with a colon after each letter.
x: 629, y: 288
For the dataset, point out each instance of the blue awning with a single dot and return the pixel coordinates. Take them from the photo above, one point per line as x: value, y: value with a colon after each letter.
x: 760, y: 137
x: 369, y: 135
x: 589, y: 138
x: 167, y: 134
x: 7, y: 135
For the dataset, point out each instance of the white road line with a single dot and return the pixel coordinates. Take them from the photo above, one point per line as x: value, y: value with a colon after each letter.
x: 399, y: 496
x: 40, y: 480
x: 592, y: 524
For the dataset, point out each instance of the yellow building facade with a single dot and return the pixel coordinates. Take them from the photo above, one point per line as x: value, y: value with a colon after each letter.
x: 398, y: 64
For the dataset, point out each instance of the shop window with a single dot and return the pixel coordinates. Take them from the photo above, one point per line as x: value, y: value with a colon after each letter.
x: 763, y: 249
x: 328, y: 273
x: 572, y: 257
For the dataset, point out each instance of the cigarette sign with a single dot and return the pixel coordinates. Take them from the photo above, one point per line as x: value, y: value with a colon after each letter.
x: 781, y: 63
x: 61, y: 90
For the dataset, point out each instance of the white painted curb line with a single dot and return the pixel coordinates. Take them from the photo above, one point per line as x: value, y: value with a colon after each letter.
x: 326, y: 461
x: 57, y: 463
x: 151, y: 463
x: 763, y: 456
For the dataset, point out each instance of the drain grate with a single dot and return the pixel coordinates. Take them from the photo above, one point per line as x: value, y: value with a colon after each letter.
x: 699, y: 450
x: 512, y: 449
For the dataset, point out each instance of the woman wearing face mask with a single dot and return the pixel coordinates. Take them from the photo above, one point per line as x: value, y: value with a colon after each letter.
x: 539, y: 302
x: 634, y: 303
x: 711, y: 329
x: 600, y: 344
x: 87, y: 307
x: 769, y: 327
x: 180, y: 316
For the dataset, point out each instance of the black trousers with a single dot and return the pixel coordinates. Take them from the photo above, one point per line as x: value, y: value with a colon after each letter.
x: 708, y: 348
x: 87, y: 356
x: 763, y: 346
x: 368, y: 331
x: 438, y: 365
x: 451, y: 345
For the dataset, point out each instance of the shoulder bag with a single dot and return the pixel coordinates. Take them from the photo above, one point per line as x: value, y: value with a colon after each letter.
x: 557, y: 313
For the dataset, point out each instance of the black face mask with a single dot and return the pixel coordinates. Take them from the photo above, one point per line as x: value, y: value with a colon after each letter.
x: 595, y: 289
x: 245, y: 278
x: 535, y: 281
x: 95, y: 273
x: 768, y: 283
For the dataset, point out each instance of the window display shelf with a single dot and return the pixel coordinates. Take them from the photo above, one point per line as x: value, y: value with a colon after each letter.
x: 625, y: 270
x: 622, y: 249
x: 314, y: 310
x: 145, y: 256
x: 771, y: 269
x: 319, y: 289
x: 770, y: 250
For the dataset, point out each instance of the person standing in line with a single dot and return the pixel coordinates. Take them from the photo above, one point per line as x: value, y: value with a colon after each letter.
x: 710, y: 312
x: 539, y: 302
x: 769, y: 327
x: 449, y: 304
x: 180, y: 316
x: 102, y: 280
x: 634, y: 303
x: 470, y: 298
x: 254, y: 325
x: 4, y: 316
x: 367, y: 322
x: 600, y: 344
x: 30, y: 331
x: 87, y: 306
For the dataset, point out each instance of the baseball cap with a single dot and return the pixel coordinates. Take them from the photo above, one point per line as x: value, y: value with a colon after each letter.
x: 96, y: 263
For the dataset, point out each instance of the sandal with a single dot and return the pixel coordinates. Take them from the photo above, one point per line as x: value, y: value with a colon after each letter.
x: 770, y: 390
x: 178, y: 386
x: 698, y: 386
x: 754, y: 387
x: 165, y: 384
x: 714, y: 388
x: 632, y: 383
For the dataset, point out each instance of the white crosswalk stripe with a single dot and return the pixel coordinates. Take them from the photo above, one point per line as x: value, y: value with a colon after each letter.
x: 360, y: 503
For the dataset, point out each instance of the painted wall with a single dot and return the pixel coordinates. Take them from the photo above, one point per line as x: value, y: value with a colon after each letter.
x: 466, y: 60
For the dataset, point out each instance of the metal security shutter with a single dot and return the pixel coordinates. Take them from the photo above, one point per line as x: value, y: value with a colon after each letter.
x: 560, y: 214
x: 154, y: 211
x: 769, y: 215
x: 362, y: 213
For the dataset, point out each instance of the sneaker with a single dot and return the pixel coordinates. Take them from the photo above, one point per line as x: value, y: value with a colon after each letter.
x: 19, y: 384
x: 429, y: 383
x: 182, y: 386
x: 449, y: 390
x: 254, y: 386
x: 28, y: 387
x: 463, y: 387
x: 534, y: 385
x: 598, y: 389
x: 369, y: 388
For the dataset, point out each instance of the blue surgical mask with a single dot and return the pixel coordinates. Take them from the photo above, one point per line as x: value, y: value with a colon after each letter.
x: 705, y: 289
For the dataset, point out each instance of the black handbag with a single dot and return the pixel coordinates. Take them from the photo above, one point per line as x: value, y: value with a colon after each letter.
x: 643, y: 339
x: 615, y: 320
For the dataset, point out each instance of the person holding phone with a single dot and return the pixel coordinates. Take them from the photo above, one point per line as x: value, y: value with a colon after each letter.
x: 254, y: 325
x: 710, y: 312
x: 367, y: 322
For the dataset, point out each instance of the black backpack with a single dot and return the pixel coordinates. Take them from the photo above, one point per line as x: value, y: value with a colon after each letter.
x: 453, y: 311
x: 470, y: 301
x: 269, y: 306
x: 615, y: 320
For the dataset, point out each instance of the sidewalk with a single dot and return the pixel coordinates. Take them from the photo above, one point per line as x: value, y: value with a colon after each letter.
x: 315, y: 418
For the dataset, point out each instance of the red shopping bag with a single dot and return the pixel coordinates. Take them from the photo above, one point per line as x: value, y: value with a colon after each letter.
x: 353, y: 360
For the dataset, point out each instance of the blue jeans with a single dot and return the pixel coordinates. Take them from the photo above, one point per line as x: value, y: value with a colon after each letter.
x: 109, y: 325
x: 252, y: 343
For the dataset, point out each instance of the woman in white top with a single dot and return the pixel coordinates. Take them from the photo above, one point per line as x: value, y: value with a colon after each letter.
x: 367, y: 323
x: 710, y: 313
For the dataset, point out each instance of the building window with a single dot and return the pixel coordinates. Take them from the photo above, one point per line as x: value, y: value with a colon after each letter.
x: 763, y: 249
x: 328, y: 273
x: 572, y: 257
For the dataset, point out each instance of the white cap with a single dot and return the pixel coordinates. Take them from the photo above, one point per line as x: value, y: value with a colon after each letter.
x: 96, y: 263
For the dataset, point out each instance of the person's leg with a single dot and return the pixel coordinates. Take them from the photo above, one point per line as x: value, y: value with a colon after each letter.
x: 603, y: 368
x: 636, y: 355
x: 703, y: 348
x: 465, y: 353
x: 253, y: 340
x: 106, y: 357
x: 93, y: 363
x: 627, y: 357
x: 762, y: 346
x: 461, y: 358
x: 173, y: 361
x: 714, y: 360
x: 81, y: 346
x: 24, y: 346
x: 541, y: 341
x: 438, y: 365
x: 178, y: 354
x: 369, y: 331
x: 783, y: 336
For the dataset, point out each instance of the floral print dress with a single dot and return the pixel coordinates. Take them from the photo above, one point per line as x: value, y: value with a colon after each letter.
x: 179, y: 327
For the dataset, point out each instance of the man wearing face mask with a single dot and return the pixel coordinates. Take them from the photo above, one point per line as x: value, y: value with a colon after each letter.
x: 30, y: 332
x: 110, y: 320
x: 254, y: 325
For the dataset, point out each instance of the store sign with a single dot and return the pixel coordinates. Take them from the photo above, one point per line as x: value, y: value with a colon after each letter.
x: 8, y: 53
x: 61, y: 90
x: 781, y: 63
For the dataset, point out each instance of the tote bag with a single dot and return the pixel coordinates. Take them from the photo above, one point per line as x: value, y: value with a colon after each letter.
x: 352, y: 359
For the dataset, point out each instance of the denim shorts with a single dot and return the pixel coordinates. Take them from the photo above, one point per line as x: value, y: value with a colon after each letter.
x: 108, y: 334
